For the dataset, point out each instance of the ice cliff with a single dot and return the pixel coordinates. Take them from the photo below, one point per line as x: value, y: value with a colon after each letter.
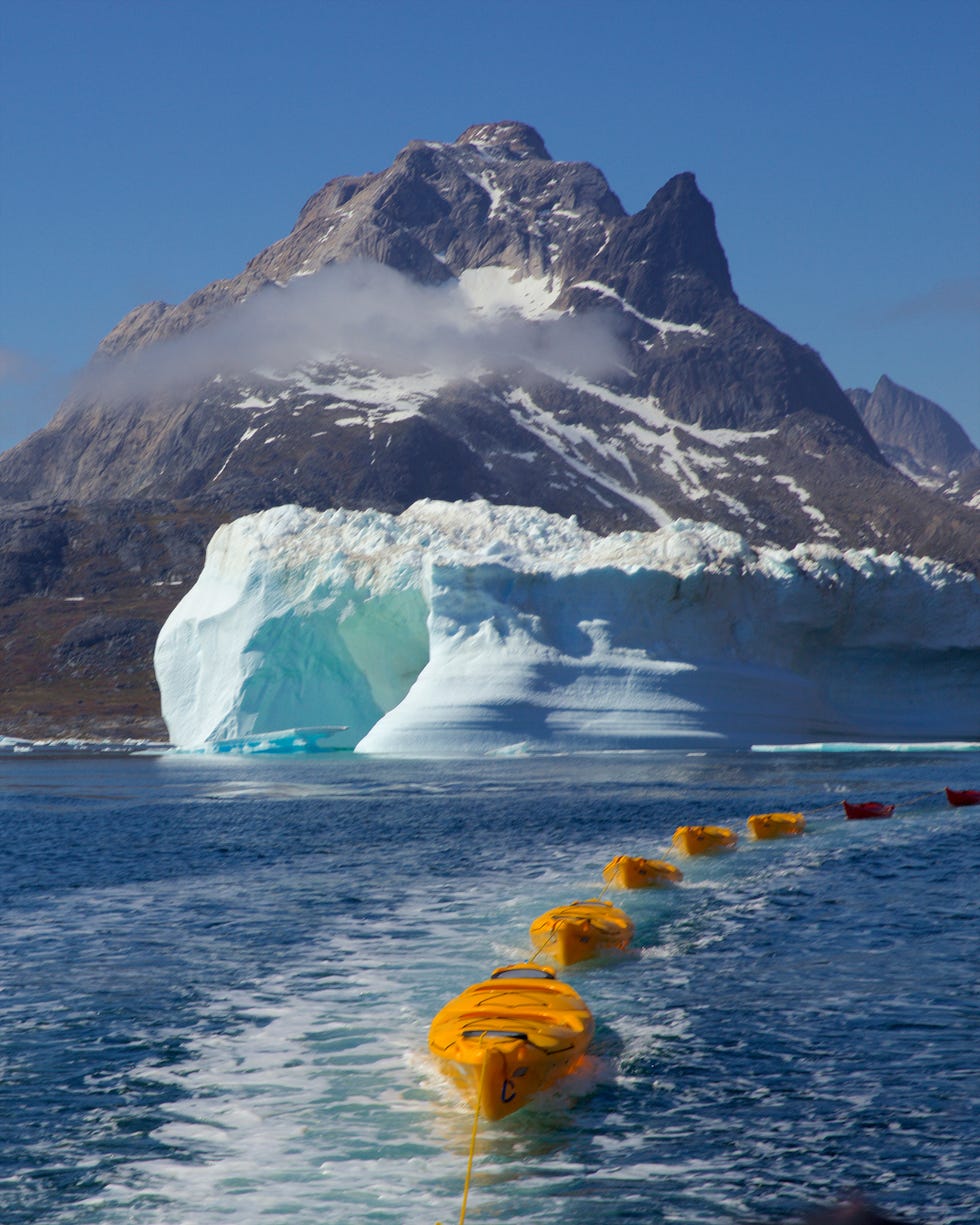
x: 469, y: 628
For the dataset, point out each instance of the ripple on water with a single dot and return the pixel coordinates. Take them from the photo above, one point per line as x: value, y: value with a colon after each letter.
x: 217, y: 992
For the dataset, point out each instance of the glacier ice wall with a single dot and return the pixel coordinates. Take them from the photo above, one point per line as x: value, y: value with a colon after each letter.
x: 467, y: 627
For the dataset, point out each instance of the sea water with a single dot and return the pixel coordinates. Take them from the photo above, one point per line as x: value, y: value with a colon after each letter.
x: 217, y: 976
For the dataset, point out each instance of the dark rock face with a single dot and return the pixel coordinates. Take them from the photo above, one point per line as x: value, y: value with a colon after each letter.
x: 77, y: 636
x: 920, y: 438
x: 32, y: 554
x: 103, y: 641
x: 667, y: 260
x: 707, y: 412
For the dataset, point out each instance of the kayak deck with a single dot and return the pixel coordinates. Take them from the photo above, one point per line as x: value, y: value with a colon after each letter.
x: 567, y: 934
x: 867, y: 810
x: 506, y: 1038
x: 704, y: 839
x: 762, y: 825
x: 635, y: 872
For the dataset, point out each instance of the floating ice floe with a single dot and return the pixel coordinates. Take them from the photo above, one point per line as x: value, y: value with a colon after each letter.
x: 68, y: 745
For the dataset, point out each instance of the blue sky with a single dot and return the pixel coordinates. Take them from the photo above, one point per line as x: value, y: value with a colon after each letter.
x: 148, y: 147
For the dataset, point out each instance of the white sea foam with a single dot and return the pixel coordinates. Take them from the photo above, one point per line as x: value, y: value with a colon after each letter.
x: 312, y: 1095
x: 305, y: 1094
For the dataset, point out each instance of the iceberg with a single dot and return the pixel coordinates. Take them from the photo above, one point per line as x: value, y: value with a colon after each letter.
x: 462, y: 628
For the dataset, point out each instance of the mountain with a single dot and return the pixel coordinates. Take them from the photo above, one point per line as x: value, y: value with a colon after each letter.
x: 476, y: 321
x: 480, y: 320
x: 920, y: 439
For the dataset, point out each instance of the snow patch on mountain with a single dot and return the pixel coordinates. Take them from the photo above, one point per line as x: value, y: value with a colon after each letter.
x: 466, y: 628
x: 495, y: 289
x: 639, y: 428
x: 821, y: 526
x: 659, y: 325
x: 580, y: 447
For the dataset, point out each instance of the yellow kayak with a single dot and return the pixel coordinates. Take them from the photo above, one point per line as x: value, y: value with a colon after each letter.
x: 776, y: 824
x: 506, y: 1038
x: 634, y: 872
x: 571, y: 933
x: 703, y: 839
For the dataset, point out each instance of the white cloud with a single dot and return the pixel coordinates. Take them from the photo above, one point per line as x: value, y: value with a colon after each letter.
x: 366, y: 313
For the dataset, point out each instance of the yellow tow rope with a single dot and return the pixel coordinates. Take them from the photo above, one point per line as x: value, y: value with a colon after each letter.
x: 479, y: 1096
x: 469, y: 1163
x: 541, y: 947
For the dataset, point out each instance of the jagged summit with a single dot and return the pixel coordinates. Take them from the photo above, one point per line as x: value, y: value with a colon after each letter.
x: 564, y: 354
x: 518, y: 140
x: 920, y: 439
x: 687, y: 235
x: 667, y: 259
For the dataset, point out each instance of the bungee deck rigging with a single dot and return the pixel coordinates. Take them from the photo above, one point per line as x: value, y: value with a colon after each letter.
x: 635, y: 872
x: 507, y: 1037
x: 763, y: 825
x: 568, y: 934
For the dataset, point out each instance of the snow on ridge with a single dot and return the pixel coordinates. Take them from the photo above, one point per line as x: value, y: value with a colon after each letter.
x: 349, y: 388
x: 566, y: 440
x: 823, y: 528
x: 737, y: 508
x: 656, y: 434
x: 253, y: 400
x: 487, y: 182
x: 249, y: 433
x: 661, y: 325
x: 923, y: 480
x: 462, y: 627
x: 647, y: 409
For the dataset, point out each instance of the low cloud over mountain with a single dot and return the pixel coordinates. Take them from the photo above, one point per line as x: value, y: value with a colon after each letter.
x: 366, y: 314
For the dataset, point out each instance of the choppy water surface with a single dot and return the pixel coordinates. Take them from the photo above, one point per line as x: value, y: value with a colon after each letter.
x: 217, y: 977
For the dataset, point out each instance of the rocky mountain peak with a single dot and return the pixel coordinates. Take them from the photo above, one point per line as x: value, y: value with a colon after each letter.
x: 492, y: 197
x: 667, y: 259
x: 644, y: 391
x: 681, y: 222
x: 919, y: 438
x: 508, y: 137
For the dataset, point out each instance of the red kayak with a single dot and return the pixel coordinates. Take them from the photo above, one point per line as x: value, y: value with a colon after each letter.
x: 869, y: 809
x: 962, y: 799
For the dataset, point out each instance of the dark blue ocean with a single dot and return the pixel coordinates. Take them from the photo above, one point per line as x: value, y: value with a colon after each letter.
x: 217, y: 976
